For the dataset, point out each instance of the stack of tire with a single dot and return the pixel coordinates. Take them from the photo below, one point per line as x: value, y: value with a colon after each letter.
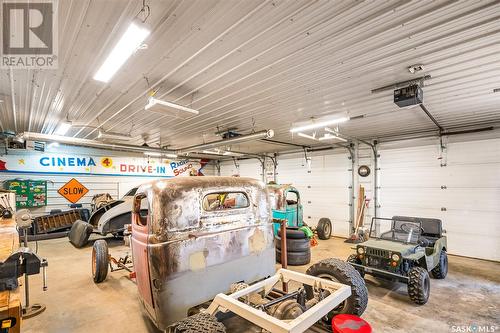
x: 298, y: 247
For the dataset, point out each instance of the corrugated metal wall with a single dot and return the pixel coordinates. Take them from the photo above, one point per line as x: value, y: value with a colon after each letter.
x: 324, y: 190
x: 464, y: 192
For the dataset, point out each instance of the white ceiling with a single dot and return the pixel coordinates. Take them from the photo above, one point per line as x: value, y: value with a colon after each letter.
x: 264, y: 64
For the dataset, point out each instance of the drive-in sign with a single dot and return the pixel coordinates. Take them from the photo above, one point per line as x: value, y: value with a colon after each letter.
x: 73, y: 191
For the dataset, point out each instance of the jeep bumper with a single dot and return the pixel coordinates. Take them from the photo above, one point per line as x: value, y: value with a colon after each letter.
x: 380, y: 272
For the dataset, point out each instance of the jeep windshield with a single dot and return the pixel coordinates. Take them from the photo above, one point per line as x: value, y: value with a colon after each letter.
x: 395, y: 230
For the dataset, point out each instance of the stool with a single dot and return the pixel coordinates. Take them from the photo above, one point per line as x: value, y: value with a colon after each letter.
x: 345, y: 323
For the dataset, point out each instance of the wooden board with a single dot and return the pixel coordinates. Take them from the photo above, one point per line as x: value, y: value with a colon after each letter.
x: 10, y: 301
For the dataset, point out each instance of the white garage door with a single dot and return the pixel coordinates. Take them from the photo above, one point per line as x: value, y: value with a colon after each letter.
x: 324, y: 191
x: 245, y: 168
x: 465, y: 193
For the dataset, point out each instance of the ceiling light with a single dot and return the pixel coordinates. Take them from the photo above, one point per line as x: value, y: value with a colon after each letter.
x: 158, y: 154
x: 319, y: 123
x: 126, y: 46
x: 113, y: 136
x: 307, y: 136
x: 62, y: 128
x: 168, y: 108
x: 211, y: 152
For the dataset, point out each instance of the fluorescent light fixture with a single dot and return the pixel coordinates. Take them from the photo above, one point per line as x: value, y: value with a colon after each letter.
x: 319, y: 123
x: 307, y: 136
x: 158, y: 154
x: 126, y: 46
x: 331, y: 137
x: 211, y: 152
x: 62, y: 128
x: 169, y: 108
x: 113, y: 136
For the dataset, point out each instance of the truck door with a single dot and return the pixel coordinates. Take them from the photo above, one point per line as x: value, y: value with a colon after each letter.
x: 140, y: 231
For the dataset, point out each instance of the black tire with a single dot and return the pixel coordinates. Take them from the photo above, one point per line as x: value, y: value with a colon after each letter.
x: 293, y: 234
x: 324, y: 228
x: 100, y: 260
x: 419, y: 285
x: 200, y: 323
x: 294, y: 245
x: 295, y: 258
x: 341, y: 271
x: 353, y: 259
x: 441, y: 270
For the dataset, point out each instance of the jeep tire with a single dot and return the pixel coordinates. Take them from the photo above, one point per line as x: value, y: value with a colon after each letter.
x: 200, y: 323
x: 441, y: 270
x: 100, y: 260
x: 324, y: 228
x: 341, y: 271
x: 419, y: 285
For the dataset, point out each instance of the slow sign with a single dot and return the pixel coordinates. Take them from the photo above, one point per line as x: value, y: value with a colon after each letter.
x: 73, y: 191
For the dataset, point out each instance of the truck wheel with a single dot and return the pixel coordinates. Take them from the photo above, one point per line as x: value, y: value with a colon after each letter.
x: 441, y: 270
x: 419, y: 285
x: 324, y: 228
x: 100, y: 260
x: 294, y: 245
x: 353, y: 259
x: 340, y: 271
x: 295, y: 258
x: 200, y: 323
x: 293, y: 234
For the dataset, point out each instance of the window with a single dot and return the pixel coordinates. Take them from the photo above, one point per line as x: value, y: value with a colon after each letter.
x: 225, y: 200
x: 292, y: 198
x: 131, y: 193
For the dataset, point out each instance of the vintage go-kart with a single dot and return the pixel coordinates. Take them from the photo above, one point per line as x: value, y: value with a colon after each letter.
x: 203, y: 246
x: 404, y: 249
x: 286, y: 205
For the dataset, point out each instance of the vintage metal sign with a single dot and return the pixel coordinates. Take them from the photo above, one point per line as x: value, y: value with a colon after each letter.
x: 73, y: 191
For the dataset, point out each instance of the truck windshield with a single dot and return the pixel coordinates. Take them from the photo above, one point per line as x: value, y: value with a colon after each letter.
x: 394, y: 230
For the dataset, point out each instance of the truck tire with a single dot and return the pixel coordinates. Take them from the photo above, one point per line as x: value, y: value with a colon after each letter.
x: 324, y: 228
x: 293, y: 233
x: 80, y: 233
x: 340, y: 271
x: 100, y: 260
x: 294, y: 245
x: 200, y: 323
x: 441, y: 270
x: 353, y: 259
x: 419, y: 285
x: 295, y: 258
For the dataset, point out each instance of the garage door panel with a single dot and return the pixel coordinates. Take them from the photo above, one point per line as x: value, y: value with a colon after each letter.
x: 485, y: 247
x: 340, y: 227
x: 484, y: 151
x: 338, y: 211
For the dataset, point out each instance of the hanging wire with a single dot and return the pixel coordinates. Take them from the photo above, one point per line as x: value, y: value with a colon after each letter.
x: 145, y: 11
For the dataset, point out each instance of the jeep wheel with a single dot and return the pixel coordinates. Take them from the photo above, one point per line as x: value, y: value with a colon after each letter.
x: 419, y: 285
x: 340, y: 271
x: 200, y: 323
x: 100, y: 260
x: 441, y: 270
x: 324, y: 228
x: 353, y: 259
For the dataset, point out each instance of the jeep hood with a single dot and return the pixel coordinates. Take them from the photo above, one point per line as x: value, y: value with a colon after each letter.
x: 404, y: 249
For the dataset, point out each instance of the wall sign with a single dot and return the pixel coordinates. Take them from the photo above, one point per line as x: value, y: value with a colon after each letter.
x: 364, y: 170
x: 99, y: 165
x: 73, y: 190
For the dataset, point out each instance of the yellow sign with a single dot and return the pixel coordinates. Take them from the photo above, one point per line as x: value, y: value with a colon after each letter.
x: 106, y: 162
x: 73, y: 191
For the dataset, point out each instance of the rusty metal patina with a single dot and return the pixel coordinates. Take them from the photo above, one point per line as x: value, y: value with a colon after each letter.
x: 277, y: 195
x: 192, y: 253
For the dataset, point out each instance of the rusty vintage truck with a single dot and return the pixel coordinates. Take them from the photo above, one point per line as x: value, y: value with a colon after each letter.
x: 196, y: 239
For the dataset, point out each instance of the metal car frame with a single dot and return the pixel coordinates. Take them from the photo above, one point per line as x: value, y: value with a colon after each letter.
x: 338, y: 293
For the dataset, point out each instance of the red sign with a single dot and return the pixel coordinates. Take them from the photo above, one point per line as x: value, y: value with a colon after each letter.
x: 73, y: 191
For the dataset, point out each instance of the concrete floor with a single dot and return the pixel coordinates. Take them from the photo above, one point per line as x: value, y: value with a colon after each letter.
x: 470, y: 295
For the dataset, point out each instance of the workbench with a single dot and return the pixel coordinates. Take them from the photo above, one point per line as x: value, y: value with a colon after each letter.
x: 10, y: 301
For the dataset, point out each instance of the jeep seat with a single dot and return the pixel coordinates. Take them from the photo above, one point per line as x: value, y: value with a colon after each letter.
x: 433, y: 228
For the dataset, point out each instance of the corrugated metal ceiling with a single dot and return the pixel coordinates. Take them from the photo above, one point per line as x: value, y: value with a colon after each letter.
x: 263, y: 64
